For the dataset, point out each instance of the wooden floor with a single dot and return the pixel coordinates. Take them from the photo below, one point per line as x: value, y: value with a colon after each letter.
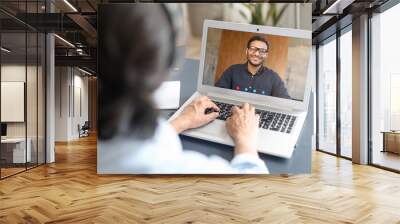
x: 70, y: 191
x: 5, y: 172
x: 10, y: 171
x: 387, y: 159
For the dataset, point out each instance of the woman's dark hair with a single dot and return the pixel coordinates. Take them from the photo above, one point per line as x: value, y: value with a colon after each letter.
x: 257, y: 38
x: 136, y: 50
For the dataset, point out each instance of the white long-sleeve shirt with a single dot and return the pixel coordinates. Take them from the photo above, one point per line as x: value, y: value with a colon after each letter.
x: 163, y: 154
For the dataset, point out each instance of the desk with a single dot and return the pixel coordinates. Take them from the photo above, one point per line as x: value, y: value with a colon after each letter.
x: 391, y: 141
x: 300, y: 162
x: 13, y: 150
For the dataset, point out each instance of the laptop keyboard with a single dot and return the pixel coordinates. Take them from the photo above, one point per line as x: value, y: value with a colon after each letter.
x: 268, y: 120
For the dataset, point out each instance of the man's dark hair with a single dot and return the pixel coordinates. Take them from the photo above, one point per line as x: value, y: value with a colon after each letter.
x: 258, y: 38
x: 136, y: 43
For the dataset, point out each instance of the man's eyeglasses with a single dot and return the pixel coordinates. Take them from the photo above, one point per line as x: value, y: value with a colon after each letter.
x: 262, y: 51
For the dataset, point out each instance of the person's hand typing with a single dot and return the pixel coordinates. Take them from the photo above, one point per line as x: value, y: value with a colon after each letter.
x: 242, y: 126
x: 194, y: 116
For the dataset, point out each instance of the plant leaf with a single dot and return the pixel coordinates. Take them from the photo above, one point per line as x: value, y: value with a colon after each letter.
x: 278, y: 17
x: 259, y: 14
x: 248, y: 6
x: 269, y: 13
x: 243, y: 14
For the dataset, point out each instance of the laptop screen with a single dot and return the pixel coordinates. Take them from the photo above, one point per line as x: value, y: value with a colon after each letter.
x: 257, y: 63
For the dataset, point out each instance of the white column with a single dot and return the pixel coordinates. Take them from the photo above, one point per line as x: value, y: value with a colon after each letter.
x: 50, y: 93
x: 50, y: 99
x: 360, y: 90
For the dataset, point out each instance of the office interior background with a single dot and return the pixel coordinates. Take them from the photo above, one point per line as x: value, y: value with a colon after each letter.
x: 49, y: 81
x: 62, y: 45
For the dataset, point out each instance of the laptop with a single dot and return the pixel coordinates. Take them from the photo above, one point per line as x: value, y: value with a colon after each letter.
x: 224, y: 52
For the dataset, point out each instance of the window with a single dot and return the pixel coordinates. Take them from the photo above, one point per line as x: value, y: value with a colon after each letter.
x: 346, y: 75
x: 327, y: 97
x: 385, y: 89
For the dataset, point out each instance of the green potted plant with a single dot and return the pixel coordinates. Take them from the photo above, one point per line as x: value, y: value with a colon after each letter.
x: 258, y: 15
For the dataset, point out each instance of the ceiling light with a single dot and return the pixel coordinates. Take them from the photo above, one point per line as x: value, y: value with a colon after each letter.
x: 5, y: 50
x: 70, y: 5
x: 64, y: 40
x: 337, y: 7
x: 84, y: 71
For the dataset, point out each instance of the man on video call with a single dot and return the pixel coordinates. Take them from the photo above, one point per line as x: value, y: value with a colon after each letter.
x: 253, y: 76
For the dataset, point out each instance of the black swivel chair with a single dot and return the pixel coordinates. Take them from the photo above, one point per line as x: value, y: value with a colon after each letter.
x: 84, y: 130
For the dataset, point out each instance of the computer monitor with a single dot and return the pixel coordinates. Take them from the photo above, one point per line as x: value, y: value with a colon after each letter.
x: 285, y: 59
x: 3, y: 129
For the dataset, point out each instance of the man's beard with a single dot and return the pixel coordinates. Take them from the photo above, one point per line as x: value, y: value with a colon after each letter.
x: 255, y: 65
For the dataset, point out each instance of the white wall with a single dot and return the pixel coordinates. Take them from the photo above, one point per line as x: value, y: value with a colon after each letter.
x: 61, y: 103
x: 80, y: 100
x: 33, y: 126
x: 12, y: 73
x: 71, y: 94
x: 17, y: 73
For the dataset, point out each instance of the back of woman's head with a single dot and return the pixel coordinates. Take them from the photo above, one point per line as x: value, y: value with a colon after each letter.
x: 136, y: 50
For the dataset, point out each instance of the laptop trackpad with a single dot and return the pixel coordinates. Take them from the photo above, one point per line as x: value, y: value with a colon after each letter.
x: 214, y: 131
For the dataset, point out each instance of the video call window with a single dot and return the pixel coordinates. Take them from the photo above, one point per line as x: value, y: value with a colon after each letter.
x: 283, y: 72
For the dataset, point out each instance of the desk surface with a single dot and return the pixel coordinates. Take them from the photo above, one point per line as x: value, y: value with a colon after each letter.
x: 13, y: 140
x: 391, y: 132
x: 300, y: 162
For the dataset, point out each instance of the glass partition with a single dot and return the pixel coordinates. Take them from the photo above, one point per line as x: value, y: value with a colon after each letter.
x: 14, y: 153
x: 31, y: 99
x: 327, y: 97
x: 22, y: 77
